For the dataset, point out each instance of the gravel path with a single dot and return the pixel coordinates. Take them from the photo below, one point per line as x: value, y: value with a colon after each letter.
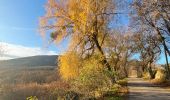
x: 140, y: 89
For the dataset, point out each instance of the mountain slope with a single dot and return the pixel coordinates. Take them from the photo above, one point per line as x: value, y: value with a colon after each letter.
x: 43, y: 60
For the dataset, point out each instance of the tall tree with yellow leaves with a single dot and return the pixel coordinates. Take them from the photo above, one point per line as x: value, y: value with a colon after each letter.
x: 86, y: 22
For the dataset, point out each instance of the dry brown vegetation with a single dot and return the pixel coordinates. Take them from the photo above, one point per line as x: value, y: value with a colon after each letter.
x: 18, y: 83
x: 46, y: 91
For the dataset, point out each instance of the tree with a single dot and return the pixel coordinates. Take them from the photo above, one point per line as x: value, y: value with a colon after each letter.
x: 86, y: 22
x: 148, y: 46
x: 153, y: 15
x: 119, y: 52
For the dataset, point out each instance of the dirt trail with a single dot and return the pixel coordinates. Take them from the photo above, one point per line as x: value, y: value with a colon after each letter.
x: 140, y: 89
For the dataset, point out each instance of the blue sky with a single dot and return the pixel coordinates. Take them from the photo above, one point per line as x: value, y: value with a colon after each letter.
x: 19, y: 20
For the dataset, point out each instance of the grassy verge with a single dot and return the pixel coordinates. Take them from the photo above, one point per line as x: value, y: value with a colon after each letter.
x: 121, y: 91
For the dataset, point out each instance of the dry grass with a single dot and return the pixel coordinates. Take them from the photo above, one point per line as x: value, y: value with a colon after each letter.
x: 20, y: 83
x: 160, y: 77
x: 41, y: 91
x: 146, y: 76
x: 29, y: 75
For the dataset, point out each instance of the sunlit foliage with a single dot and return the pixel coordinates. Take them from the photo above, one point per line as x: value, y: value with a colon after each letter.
x: 70, y: 64
x: 85, y: 22
x: 92, y: 78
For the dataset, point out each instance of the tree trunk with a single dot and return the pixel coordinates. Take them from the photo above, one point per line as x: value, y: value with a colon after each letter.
x: 163, y: 41
x: 126, y: 73
x: 95, y: 39
x: 125, y: 64
x: 152, y: 76
x: 105, y: 62
x: 95, y: 34
x: 167, y: 64
x: 144, y: 68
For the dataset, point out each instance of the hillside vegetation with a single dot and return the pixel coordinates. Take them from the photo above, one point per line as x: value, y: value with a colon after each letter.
x: 20, y: 78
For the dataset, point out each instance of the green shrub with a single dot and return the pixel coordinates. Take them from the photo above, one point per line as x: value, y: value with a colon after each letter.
x: 93, y: 80
x: 122, y: 82
x: 32, y: 98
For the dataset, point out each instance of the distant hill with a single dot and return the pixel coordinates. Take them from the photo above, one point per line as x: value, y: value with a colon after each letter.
x: 44, y: 60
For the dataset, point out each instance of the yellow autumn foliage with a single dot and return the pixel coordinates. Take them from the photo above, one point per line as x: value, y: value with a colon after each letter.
x: 69, y: 64
x: 92, y: 78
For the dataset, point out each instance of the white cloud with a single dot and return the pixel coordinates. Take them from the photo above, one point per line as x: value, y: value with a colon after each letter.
x: 17, y: 51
